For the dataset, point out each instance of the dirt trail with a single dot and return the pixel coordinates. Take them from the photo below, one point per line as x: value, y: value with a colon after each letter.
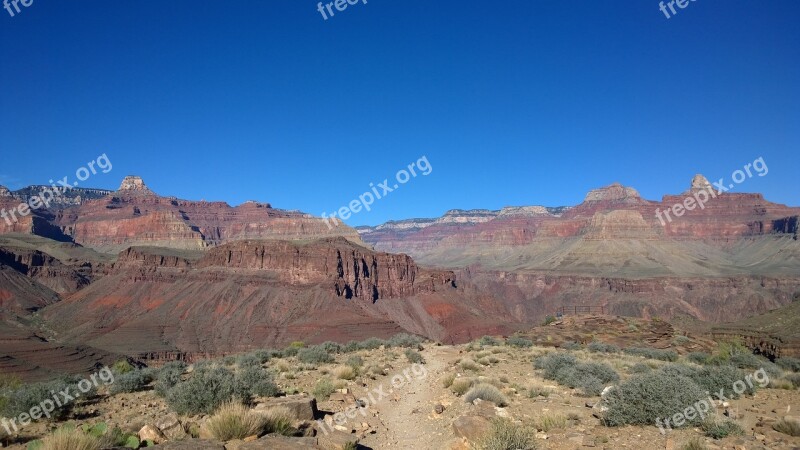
x: 408, y: 414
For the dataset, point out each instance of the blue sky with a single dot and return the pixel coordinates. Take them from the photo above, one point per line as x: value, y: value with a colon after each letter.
x: 513, y: 102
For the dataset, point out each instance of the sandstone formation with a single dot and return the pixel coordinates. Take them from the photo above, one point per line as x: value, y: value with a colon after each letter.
x: 541, y: 261
x: 134, y: 215
x: 254, y: 294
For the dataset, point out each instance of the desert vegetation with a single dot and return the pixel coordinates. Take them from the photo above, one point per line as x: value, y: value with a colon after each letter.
x: 543, y: 389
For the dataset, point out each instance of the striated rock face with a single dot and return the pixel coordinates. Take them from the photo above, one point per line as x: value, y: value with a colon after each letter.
x: 613, y: 214
x: 135, y: 216
x: 615, y: 235
x: 251, y: 294
x: 355, y: 271
x: 533, y: 295
x: 775, y: 334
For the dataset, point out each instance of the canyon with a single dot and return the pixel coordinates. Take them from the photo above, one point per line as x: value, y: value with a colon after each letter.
x: 106, y: 274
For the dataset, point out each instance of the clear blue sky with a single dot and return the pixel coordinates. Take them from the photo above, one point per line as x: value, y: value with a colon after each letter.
x: 514, y: 103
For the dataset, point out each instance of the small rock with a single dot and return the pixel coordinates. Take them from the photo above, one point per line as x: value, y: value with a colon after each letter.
x: 439, y: 408
x: 152, y: 433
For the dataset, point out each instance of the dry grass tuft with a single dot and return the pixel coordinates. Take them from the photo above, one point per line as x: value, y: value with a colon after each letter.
x: 461, y: 385
x: 787, y: 427
x: 345, y: 373
x: 549, y: 422
x: 487, y: 392
x: 235, y: 421
x: 279, y: 420
x: 70, y: 439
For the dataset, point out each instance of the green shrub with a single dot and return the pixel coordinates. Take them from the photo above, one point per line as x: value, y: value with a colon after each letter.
x: 548, y: 320
x: 680, y: 340
x: 324, y: 389
x: 487, y: 341
x: 486, y: 392
x: 653, y: 353
x: 350, y: 347
x: 355, y: 362
x: 599, y: 347
x: 331, y: 347
x: 731, y: 348
x: 448, y: 379
x: 751, y: 362
x: 570, y: 345
x: 168, y: 377
x: 263, y: 356
x: 793, y: 378
x: 551, y: 364
x: 25, y: 397
x: 371, y: 344
x: 133, y: 381
x: 404, y: 340
x: 591, y: 378
x: 122, y: 367
x: 680, y: 370
x: 642, y: 399
x: 639, y: 368
x: 290, y: 351
x: 719, y: 429
x: 253, y: 381
x: 698, y: 357
x: 314, y: 355
x: 8, y: 383
x: 414, y: 357
x: 204, y: 392
x: 714, y: 378
x: 248, y: 360
x: 506, y: 435
x: 519, y: 342
x: 789, y: 363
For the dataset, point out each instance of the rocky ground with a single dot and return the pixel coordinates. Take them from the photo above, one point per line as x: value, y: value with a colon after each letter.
x: 408, y: 406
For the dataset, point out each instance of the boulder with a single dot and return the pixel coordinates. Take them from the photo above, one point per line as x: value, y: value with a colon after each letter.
x: 471, y: 428
x: 302, y: 406
x: 172, y: 427
x: 152, y: 433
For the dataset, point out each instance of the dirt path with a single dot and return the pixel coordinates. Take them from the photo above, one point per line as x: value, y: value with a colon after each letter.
x: 408, y: 414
